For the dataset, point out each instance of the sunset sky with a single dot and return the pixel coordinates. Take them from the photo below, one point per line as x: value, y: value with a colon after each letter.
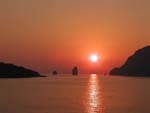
x: 59, y: 34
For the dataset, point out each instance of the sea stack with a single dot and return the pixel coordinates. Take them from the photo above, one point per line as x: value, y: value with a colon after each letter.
x: 75, y: 71
x: 136, y: 65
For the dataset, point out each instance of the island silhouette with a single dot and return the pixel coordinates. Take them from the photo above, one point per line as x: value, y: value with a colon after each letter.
x: 136, y: 65
x: 12, y: 71
x: 55, y: 72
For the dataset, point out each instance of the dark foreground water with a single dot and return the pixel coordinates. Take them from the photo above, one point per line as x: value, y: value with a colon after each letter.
x: 69, y: 94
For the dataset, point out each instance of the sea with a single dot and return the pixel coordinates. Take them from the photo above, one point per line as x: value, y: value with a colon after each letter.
x: 75, y: 94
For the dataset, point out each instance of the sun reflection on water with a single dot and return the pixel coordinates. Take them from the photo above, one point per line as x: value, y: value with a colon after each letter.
x: 94, y: 99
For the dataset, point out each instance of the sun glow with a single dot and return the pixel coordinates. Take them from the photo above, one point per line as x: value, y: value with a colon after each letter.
x: 94, y: 58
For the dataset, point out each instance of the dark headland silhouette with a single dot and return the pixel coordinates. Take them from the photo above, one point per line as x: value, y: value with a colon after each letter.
x: 136, y: 65
x: 13, y: 71
x: 75, y: 71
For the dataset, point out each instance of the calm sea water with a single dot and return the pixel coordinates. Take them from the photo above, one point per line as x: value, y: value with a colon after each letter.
x: 81, y: 94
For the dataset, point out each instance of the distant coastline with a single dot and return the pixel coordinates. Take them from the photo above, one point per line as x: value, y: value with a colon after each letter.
x: 137, y: 65
x: 12, y: 71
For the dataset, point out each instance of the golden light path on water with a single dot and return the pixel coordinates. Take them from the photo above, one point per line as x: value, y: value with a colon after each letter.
x: 94, y: 97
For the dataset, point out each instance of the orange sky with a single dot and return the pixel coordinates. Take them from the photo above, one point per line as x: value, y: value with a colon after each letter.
x: 58, y: 34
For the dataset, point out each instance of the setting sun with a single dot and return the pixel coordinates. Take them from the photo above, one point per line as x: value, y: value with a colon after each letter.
x: 94, y: 58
